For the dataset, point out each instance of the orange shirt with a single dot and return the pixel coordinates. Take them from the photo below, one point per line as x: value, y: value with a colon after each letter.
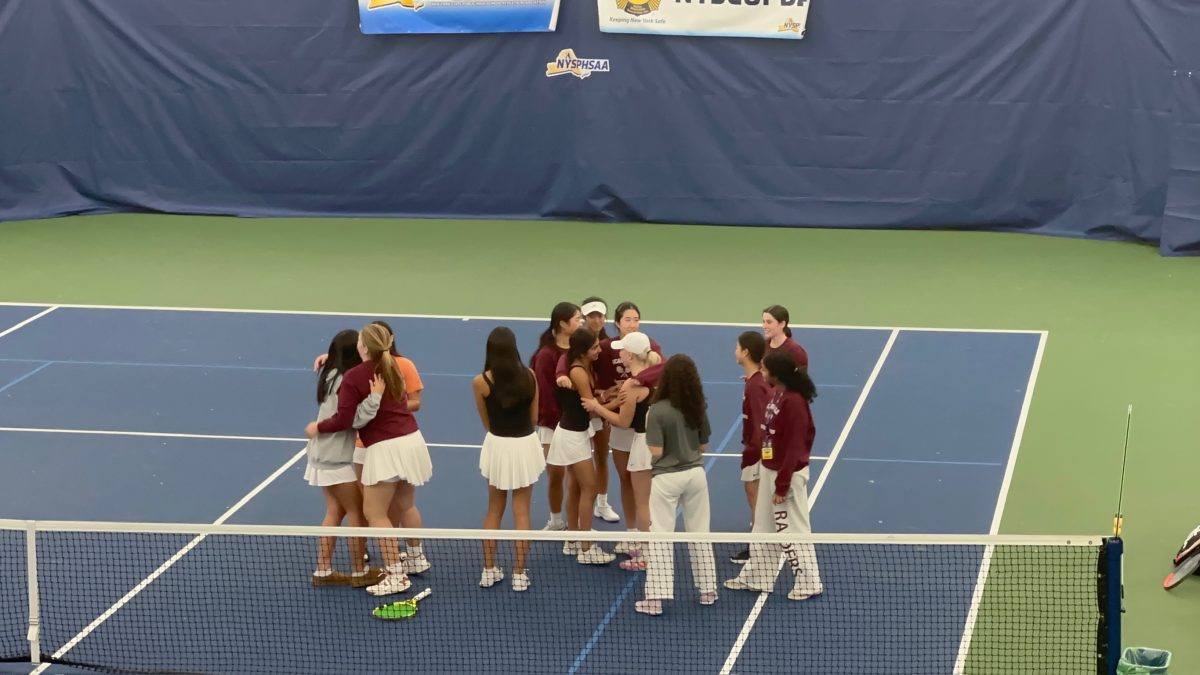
x: 412, y: 381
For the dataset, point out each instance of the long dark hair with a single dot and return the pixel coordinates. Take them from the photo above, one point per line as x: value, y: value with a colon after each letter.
x: 384, y: 324
x: 581, y: 341
x: 561, y: 313
x: 511, y: 382
x: 783, y: 367
x: 342, y: 356
x: 754, y: 343
x: 603, y: 334
x: 680, y: 384
x: 780, y: 314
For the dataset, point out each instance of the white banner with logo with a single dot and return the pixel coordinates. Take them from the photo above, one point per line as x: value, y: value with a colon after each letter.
x: 782, y: 19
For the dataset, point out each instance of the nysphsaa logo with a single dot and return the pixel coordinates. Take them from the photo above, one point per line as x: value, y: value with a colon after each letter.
x: 568, y: 63
x: 791, y: 26
x: 638, y: 7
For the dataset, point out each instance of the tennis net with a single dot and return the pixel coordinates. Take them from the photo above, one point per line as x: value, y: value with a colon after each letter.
x: 140, y: 598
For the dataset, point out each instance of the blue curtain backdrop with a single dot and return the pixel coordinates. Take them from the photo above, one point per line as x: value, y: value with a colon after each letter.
x: 1068, y: 117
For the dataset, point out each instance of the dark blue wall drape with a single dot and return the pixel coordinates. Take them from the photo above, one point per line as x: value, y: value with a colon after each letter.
x: 1070, y: 117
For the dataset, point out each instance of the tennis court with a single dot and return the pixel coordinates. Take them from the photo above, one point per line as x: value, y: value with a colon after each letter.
x: 196, y: 416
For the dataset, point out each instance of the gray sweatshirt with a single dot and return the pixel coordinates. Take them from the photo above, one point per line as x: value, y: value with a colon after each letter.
x: 333, y: 451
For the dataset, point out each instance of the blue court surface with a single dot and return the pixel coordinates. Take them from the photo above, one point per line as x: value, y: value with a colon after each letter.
x: 165, y: 415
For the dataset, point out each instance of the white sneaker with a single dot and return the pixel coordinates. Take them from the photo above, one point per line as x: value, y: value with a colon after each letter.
x: 570, y: 548
x: 605, y: 512
x: 595, y: 556
x: 392, y: 583
x: 417, y: 564
x: 631, y: 548
x: 520, y: 582
x: 804, y: 593
x: 555, y: 527
x: 491, y: 576
x: 651, y: 607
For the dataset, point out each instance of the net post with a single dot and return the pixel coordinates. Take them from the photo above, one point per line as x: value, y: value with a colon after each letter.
x: 35, y: 618
x: 1111, y: 601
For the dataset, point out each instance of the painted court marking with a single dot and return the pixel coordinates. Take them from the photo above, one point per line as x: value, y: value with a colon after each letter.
x: 220, y: 310
x: 964, y: 646
x: 464, y: 446
x: 28, y: 321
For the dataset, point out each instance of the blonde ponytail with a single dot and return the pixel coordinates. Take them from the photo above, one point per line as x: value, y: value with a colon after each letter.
x: 379, y: 344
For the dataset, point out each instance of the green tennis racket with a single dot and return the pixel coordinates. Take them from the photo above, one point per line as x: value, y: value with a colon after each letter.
x: 404, y: 609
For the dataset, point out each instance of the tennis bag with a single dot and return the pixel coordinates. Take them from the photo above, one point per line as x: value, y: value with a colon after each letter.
x: 1191, y: 546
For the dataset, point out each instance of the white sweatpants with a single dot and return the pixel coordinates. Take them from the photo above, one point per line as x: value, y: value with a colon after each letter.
x: 667, y: 492
x: 763, y: 567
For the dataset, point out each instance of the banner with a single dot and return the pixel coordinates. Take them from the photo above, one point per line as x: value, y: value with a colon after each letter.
x: 457, y: 16
x: 784, y: 19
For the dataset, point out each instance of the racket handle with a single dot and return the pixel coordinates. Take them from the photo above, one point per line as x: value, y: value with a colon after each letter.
x: 1118, y: 524
x: 422, y: 595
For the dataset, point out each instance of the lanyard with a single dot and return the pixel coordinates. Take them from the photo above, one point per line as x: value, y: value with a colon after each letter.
x: 768, y: 424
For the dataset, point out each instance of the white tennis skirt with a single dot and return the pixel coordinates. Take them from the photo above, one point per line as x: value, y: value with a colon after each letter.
x: 511, y: 463
x: 360, y: 455
x: 326, y: 477
x: 621, y: 439
x: 405, y: 458
x: 545, y: 435
x: 639, y: 454
x: 569, y: 447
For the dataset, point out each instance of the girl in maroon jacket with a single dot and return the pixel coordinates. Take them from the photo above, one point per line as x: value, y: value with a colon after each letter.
x: 756, y: 394
x: 565, y: 319
x: 778, y: 333
x: 787, y: 438
x: 397, y: 458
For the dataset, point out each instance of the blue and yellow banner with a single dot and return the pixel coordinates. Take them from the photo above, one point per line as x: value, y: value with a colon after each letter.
x: 781, y: 19
x: 457, y: 16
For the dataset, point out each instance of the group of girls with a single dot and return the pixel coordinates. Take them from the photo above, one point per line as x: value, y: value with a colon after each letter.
x: 363, y: 386
x: 583, y: 394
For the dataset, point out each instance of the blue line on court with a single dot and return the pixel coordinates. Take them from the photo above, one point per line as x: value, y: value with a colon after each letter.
x: 820, y: 385
x: 608, y: 617
x: 26, y: 376
x: 289, y: 369
x: 132, y: 364
x: 211, y: 366
x: 612, y: 609
x: 887, y: 460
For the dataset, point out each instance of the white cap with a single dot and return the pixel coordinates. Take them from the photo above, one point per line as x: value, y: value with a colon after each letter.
x: 593, y: 308
x: 637, y: 344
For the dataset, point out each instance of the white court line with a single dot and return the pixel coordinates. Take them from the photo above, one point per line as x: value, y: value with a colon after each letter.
x: 30, y: 320
x: 455, y: 317
x: 133, y: 592
x: 151, y: 434
x: 964, y: 645
x: 744, y: 635
x: 209, y: 437
x: 275, y: 439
